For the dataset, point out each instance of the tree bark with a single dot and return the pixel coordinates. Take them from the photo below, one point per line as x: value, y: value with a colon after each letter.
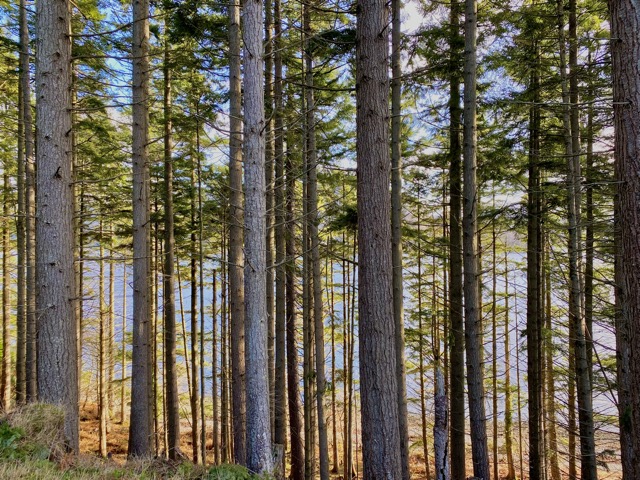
x: 236, y: 236
x: 379, y: 388
x: 472, y: 313
x: 56, y: 292
x: 458, y: 440
x: 140, y: 430
x: 259, y: 454
x: 625, y: 50
x: 396, y: 231
x: 168, y: 288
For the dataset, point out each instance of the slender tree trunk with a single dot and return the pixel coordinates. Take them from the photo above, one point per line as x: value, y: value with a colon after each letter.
x: 576, y: 318
x: 295, y: 426
x: 102, y: 349
x: 554, y: 468
x: 396, y: 231
x: 5, y: 380
x: 494, y: 345
x: 508, y: 402
x: 236, y: 236
x: 225, y: 437
x: 56, y: 292
x: 25, y: 157
x: 214, y: 368
x: 194, y: 309
x: 378, y: 374
x: 534, y: 316
x: 168, y: 288
x: 280, y: 423
x: 139, y: 430
x: 259, y: 454
x: 123, y: 346
x: 472, y: 311
x: 625, y: 50
x: 270, y: 192
x: 318, y: 314
x: 458, y: 454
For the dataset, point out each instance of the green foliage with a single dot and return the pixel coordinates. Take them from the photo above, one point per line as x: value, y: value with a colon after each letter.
x: 229, y: 472
x: 9, y: 436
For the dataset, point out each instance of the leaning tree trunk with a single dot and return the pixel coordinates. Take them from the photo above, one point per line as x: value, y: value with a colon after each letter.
x: 379, y: 389
x: 259, y: 455
x: 625, y: 28
x: 56, y: 292
x: 139, y: 429
x: 472, y: 313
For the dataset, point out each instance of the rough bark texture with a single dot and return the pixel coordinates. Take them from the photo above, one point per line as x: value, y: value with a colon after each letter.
x: 396, y: 232
x: 472, y: 313
x: 441, y: 429
x: 140, y: 431
x: 236, y: 235
x: 379, y: 389
x: 259, y: 454
x: 625, y: 49
x: 168, y: 287
x: 57, y: 356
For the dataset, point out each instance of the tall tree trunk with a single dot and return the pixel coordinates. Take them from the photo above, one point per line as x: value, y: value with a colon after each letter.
x: 534, y: 315
x: 379, y: 387
x: 318, y: 314
x: 550, y: 401
x: 280, y: 423
x: 508, y: 402
x: 168, y: 288
x: 259, y: 454
x: 236, y: 236
x: 472, y: 313
x: 494, y: 344
x: 194, y: 308
x: 139, y: 429
x: 25, y: 157
x: 214, y: 369
x: 123, y: 346
x: 576, y: 318
x: 293, y: 382
x: 396, y: 231
x: 270, y: 192
x: 5, y: 379
x: 102, y: 349
x: 55, y: 300
x: 625, y: 50
x: 458, y: 454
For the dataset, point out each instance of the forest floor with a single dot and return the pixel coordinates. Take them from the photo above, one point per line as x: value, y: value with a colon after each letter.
x: 28, y: 450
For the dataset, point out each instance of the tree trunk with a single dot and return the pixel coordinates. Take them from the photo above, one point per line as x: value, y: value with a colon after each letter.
x: 472, y: 313
x: 318, y: 314
x: 102, y: 349
x: 508, y: 402
x: 625, y: 29
x: 259, y: 454
x: 172, y: 405
x: 56, y: 292
x: 5, y: 379
x: 534, y: 316
x: 280, y: 419
x: 458, y: 440
x: 193, y: 327
x: 379, y: 388
x: 396, y: 231
x: 139, y: 430
x: 293, y: 382
x: 236, y: 236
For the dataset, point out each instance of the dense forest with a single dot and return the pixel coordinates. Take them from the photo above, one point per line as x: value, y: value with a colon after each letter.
x: 346, y: 239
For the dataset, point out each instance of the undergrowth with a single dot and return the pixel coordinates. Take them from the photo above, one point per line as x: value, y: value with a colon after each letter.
x: 32, y: 448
